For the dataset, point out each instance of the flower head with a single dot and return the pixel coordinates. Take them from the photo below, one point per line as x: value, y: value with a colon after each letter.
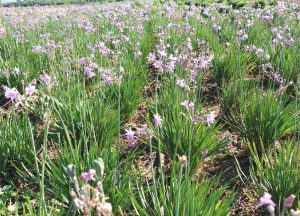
x: 242, y: 35
x: 129, y: 134
x: 11, y: 93
x: 30, y: 89
x: 157, y: 120
x: 38, y: 49
x: 151, y: 57
x: 210, y: 118
x: 189, y: 105
x: 266, y: 199
x: 46, y: 79
x: 16, y: 71
x: 89, y: 72
x: 133, y: 144
x: 181, y: 83
x: 107, y: 79
x: 88, y: 175
x: 138, y: 131
x: 288, y: 202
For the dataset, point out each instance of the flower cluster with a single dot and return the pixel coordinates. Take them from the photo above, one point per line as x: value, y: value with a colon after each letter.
x: 88, y: 195
x: 47, y: 46
x: 266, y: 200
x: 184, y: 55
x: 133, y: 136
x: 19, y: 100
x: 241, y: 35
x: 91, y: 69
x: 269, y: 71
x: 157, y: 120
x: 208, y: 118
x: 46, y: 79
x: 282, y: 36
x: 259, y: 52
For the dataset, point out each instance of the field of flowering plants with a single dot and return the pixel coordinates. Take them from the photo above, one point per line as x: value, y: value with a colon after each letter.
x: 153, y: 109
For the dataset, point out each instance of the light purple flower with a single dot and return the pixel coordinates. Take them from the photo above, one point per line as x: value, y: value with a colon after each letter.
x: 189, y: 44
x: 276, y: 76
x: 11, y: 93
x: 216, y: 27
x: 266, y: 199
x: 133, y: 144
x: 185, y: 103
x: 158, y: 64
x: 172, y: 58
x: 107, y: 79
x: 290, y: 42
x: 198, y: 119
x: 210, y: 118
x: 151, y: 57
x: 189, y: 105
x: 170, y: 67
x: 88, y: 175
x: 138, y: 131
x: 82, y: 60
x: 46, y: 79
x: 129, y: 134
x: 249, y: 23
x: 162, y: 53
x: 38, y: 49
x: 30, y: 89
x: 181, y: 83
x: 193, y: 75
x: 157, y: 120
x: 89, y: 72
x: 259, y: 52
x: 242, y: 35
x: 16, y: 71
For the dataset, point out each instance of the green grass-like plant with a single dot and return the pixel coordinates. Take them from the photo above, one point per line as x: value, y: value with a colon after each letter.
x: 178, y: 195
x: 276, y: 171
x: 182, y: 136
x: 264, y: 118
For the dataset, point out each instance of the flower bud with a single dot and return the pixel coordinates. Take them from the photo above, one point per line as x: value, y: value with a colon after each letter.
x: 183, y: 160
x: 98, y: 165
x: 107, y: 209
x: 71, y: 169
x: 288, y: 202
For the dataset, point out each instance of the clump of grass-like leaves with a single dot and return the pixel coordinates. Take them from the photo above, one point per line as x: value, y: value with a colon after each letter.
x: 265, y: 118
x: 276, y: 171
x: 178, y: 195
